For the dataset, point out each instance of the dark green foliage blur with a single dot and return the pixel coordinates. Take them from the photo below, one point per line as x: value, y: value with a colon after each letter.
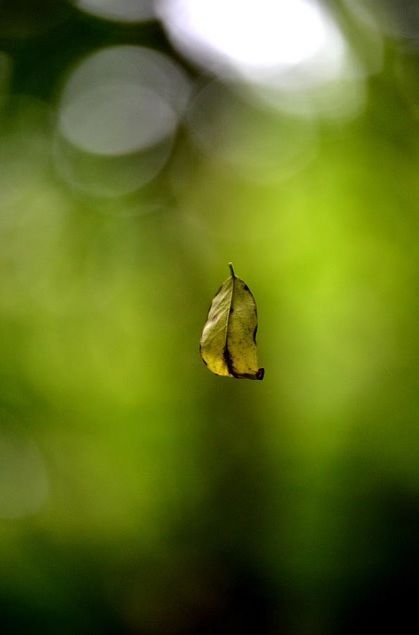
x: 139, y: 493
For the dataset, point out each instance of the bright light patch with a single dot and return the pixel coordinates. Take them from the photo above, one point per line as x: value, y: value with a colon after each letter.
x: 251, y: 37
x: 288, y: 54
x: 257, y: 36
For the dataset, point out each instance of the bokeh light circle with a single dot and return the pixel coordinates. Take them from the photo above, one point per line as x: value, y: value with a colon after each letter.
x: 122, y: 99
x: 257, y: 144
x: 117, y: 117
x: 255, y: 40
x: 289, y: 54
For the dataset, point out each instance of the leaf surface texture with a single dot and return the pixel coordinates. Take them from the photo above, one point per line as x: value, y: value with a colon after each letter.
x: 228, y: 341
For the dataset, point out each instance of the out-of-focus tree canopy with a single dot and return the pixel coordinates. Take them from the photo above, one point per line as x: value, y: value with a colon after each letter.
x: 143, y: 146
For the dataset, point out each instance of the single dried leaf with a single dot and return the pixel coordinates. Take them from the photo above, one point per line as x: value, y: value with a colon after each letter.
x: 228, y: 341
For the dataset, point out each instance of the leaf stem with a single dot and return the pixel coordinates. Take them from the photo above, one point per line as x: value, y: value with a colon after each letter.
x: 233, y: 275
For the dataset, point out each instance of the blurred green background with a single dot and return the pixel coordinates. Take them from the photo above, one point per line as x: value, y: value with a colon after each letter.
x: 139, y: 494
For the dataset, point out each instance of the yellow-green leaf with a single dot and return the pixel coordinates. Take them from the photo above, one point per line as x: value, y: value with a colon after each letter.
x: 228, y: 341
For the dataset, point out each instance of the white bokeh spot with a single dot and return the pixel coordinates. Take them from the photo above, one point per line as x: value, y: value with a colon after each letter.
x: 251, y: 38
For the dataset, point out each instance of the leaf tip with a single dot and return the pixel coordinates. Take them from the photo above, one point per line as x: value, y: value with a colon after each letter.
x: 230, y: 264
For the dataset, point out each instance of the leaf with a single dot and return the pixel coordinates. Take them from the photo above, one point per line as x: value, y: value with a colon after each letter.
x: 228, y: 341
